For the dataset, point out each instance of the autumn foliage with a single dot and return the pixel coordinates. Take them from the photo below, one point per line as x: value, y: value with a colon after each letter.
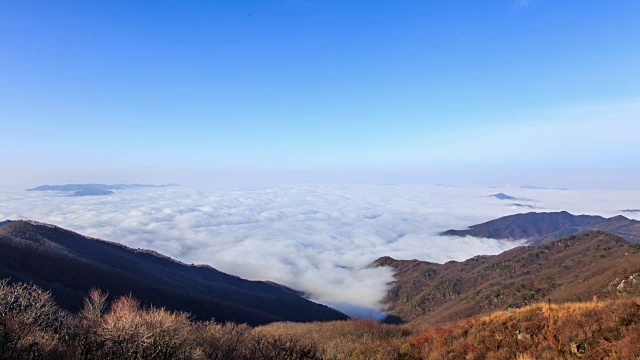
x: 585, y: 330
x: 32, y: 326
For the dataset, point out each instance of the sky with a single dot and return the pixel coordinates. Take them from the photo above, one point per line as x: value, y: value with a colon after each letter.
x: 501, y: 92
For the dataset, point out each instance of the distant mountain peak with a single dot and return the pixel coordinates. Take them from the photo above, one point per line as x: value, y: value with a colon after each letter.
x: 619, y: 218
x: 503, y: 196
x: 93, y: 189
x: 542, y: 227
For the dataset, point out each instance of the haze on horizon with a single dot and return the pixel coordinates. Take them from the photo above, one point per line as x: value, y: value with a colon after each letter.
x: 510, y: 92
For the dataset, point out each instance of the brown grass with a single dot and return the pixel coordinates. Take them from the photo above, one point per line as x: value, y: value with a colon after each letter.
x: 352, y: 339
x: 586, y: 330
x: 572, y: 269
x: 33, y: 327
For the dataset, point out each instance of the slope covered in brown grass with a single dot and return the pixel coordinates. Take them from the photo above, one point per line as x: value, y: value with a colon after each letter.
x: 574, y: 268
x: 33, y: 327
x: 573, y: 330
x: 351, y: 339
x: 584, y: 330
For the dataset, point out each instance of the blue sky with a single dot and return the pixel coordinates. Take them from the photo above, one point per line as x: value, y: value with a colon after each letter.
x: 491, y: 92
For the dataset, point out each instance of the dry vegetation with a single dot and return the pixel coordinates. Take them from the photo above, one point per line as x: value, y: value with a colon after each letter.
x: 354, y: 339
x: 33, y: 327
x: 572, y: 269
x: 586, y: 330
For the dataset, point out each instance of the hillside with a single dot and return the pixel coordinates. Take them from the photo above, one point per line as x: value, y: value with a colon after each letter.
x: 540, y: 228
x: 574, y: 330
x: 69, y: 265
x: 574, y: 268
x: 35, y: 328
x: 584, y: 330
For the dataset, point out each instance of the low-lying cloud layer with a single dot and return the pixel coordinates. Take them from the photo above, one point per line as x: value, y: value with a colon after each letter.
x: 318, y: 239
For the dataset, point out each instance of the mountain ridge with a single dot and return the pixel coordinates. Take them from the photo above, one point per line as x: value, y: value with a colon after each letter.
x: 574, y: 268
x: 543, y: 227
x: 69, y: 265
x: 94, y: 189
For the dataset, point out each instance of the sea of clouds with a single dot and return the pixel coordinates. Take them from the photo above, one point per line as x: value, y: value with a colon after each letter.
x: 320, y: 239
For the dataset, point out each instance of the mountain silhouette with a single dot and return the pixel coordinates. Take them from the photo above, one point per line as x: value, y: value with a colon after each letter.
x: 574, y: 268
x: 69, y: 265
x: 93, y: 189
x: 540, y: 228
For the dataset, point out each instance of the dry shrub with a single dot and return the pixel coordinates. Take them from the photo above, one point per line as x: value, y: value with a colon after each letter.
x: 629, y: 346
x: 233, y: 341
x: 351, y: 339
x: 84, y: 335
x: 266, y: 346
x: 33, y: 327
x: 219, y: 342
x: 154, y: 333
x: 94, y: 306
x: 30, y: 304
x: 30, y: 322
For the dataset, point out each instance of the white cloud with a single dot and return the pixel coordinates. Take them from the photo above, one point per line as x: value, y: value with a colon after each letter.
x: 318, y: 239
